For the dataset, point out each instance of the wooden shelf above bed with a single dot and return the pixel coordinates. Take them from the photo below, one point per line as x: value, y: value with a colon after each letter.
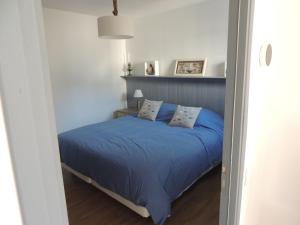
x: 172, y: 77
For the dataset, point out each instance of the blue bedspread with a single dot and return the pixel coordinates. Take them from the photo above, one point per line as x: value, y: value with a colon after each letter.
x: 149, y: 163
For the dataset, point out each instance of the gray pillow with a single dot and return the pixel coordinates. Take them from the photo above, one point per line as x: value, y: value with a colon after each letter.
x: 149, y: 109
x: 185, y: 116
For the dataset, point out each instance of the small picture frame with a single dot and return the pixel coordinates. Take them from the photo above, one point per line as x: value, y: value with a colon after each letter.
x: 152, y: 68
x: 190, y: 67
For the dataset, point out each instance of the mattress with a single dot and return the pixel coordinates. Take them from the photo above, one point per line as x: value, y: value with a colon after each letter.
x: 148, y: 163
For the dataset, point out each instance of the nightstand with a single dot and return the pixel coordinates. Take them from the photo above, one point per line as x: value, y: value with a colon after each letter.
x: 125, y: 112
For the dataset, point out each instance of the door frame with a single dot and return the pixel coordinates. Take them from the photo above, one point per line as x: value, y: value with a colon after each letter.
x: 239, y: 42
x: 26, y: 98
x: 236, y: 105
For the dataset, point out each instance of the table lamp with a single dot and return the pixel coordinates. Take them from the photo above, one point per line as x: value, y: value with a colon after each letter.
x: 138, y: 94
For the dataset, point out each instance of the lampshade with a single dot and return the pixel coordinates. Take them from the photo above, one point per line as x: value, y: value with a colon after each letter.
x: 138, y: 93
x: 115, y: 27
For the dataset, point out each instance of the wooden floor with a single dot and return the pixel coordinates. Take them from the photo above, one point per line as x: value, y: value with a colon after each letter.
x: 89, y: 206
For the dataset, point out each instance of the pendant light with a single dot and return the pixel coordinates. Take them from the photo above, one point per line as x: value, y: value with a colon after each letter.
x: 115, y: 27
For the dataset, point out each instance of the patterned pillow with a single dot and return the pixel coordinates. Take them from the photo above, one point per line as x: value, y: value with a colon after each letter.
x: 185, y: 116
x: 149, y: 109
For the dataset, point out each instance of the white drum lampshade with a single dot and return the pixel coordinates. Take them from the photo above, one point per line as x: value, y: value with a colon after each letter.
x: 138, y: 93
x: 115, y: 27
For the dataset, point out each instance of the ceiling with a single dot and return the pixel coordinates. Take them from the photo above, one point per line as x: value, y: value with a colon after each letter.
x: 135, y: 8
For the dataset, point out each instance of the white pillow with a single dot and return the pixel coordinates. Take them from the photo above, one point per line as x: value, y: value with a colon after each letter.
x: 185, y: 116
x: 149, y: 109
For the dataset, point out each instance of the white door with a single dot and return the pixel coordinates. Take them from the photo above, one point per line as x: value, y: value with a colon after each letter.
x: 271, y: 193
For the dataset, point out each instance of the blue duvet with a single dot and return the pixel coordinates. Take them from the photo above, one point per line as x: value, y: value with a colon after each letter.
x: 148, y: 163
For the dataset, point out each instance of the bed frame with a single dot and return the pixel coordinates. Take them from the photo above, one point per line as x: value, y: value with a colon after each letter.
x: 140, y: 210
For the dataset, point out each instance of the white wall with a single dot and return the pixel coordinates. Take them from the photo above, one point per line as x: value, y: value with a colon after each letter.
x: 85, y: 70
x: 272, y: 187
x: 196, y: 31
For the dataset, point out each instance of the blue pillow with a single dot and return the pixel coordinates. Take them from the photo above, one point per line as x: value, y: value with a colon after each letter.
x: 166, y: 112
x: 210, y: 119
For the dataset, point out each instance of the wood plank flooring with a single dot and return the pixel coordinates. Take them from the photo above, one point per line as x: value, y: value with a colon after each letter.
x: 89, y: 206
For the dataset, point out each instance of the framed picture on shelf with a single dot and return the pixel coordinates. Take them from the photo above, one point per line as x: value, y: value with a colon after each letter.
x: 190, y: 67
x: 152, y: 68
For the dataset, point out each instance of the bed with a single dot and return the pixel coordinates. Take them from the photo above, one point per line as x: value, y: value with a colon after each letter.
x: 143, y: 164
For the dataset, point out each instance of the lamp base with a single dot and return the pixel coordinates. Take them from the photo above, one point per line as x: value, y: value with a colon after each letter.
x: 138, y: 104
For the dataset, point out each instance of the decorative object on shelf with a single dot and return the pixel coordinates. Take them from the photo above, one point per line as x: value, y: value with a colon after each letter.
x: 152, y: 68
x: 191, y: 67
x: 138, y: 94
x: 172, y: 77
x: 129, y: 69
x: 115, y: 27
